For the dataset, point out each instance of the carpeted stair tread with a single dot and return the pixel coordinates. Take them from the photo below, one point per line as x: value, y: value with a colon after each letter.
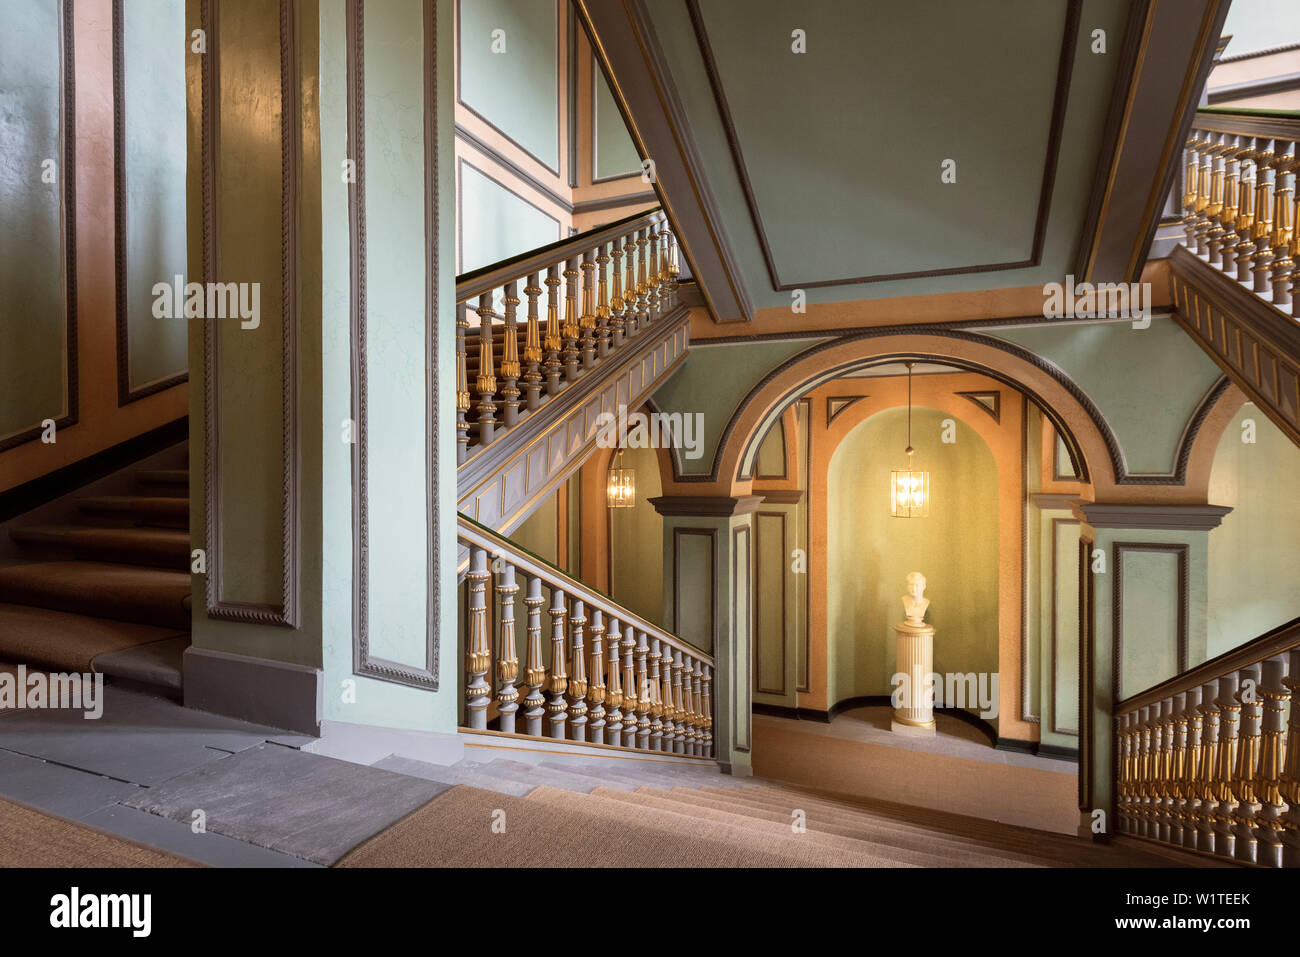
x: 156, y: 547
x: 32, y: 838
x: 167, y: 511
x: 923, y: 854
x: 561, y: 779
x: 867, y: 828
x: 61, y: 641
x: 795, y: 852
x: 1047, y: 846
x: 164, y: 481
x: 148, y: 596
x: 453, y: 830
x: 461, y: 774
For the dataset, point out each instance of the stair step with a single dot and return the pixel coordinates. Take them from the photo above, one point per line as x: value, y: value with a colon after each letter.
x: 157, y: 547
x: 167, y: 482
x: 157, y: 665
x: 536, y: 776
x: 462, y: 774
x: 168, y: 512
x: 149, y: 596
x: 63, y: 641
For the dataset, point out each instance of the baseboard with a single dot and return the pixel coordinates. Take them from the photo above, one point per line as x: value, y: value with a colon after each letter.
x: 366, y: 744
x: 1037, y: 748
x: 274, y: 693
x: 866, y: 701
x: 736, y: 770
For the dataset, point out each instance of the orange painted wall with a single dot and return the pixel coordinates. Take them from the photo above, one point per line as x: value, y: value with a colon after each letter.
x: 101, y: 422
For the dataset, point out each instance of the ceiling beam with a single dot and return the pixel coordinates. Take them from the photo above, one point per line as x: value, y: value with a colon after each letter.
x: 623, y: 38
x: 1169, y: 49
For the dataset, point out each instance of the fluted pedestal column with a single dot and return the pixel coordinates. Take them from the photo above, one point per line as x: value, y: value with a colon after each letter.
x: 915, y: 711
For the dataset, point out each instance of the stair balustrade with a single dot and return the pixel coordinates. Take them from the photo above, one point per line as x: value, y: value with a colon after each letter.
x: 611, y: 678
x: 1239, y: 199
x: 1210, y: 759
x: 498, y: 386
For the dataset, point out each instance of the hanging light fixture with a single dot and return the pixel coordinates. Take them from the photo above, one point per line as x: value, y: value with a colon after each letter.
x: 909, y: 489
x: 620, y: 490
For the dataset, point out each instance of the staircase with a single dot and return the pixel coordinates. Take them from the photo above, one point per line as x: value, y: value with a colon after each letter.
x: 530, y: 387
x: 586, y: 812
x: 106, y: 589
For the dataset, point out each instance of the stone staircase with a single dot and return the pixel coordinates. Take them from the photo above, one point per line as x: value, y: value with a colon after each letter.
x: 565, y: 809
x: 103, y: 585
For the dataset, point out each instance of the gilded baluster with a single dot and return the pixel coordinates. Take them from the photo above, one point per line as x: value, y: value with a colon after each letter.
x: 652, y: 273
x: 1191, y: 175
x: 1269, y: 779
x: 1148, y: 758
x: 1204, y: 198
x: 1262, y: 232
x: 1223, y: 199
x: 697, y: 729
x: 1283, y: 265
x: 587, y: 320
x: 553, y: 340
x: 629, y: 286
x: 596, y: 692
x: 510, y: 358
x: 507, y: 657
x: 1177, y: 799
x: 462, y: 385
x: 667, y: 284
x: 616, y: 304
x: 1225, y: 839
x: 615, y: 696
x: 1124, y: 779
x: 1227, y: 238
x: 1191, y: 813
x: 572, y: 328
x: 1214, y: 205
x: 603, y: 331
x: 533, y: 346
x: 1209, y: 784
x: 1245, y: 247
x: 630, y: 700
x: 535, y: 668
x: 1290, y: 785
x: 656, y: 699
x: 707, y: 687
x: 679, y: 710
x: 642, y: 279
x: 1247, y: 771
x: 487, y: 380
x: 644, y: 697
x: 1164, y: 792
x: 666, y: 704
x: 688, y: 705
x: 559, y: 683
x: 478, y: 656
x: 578, y: 683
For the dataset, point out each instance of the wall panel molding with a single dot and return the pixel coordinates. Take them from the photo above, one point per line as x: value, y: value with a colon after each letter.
x: 363, y: 660
x: 285, y: 613
x: 68, y: 174
x: 1181, y: 552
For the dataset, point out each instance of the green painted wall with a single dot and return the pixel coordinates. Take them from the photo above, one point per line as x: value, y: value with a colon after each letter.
x: 397, y: 428
x: 495, y: 224
x: 714, y: 380
x: 871, y: 552
x: 636, y: 542
x: 154, y: 107
x: 1146, y: 382
x: 538, y: 533
x: 614, y: 152
x: 33, y: 383
x: 1254, y: 558
x: 516, y: 90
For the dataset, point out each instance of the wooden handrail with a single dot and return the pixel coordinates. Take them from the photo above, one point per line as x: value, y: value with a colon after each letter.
x: 489, y: 277
x: 1276, y: 124
x: 1271, y: 643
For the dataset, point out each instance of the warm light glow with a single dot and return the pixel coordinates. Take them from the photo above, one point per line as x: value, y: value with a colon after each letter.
x: 620, y: 491
x: 909, y: 493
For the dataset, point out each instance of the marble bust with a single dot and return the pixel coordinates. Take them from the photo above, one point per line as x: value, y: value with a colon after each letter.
x: 914, y: 602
